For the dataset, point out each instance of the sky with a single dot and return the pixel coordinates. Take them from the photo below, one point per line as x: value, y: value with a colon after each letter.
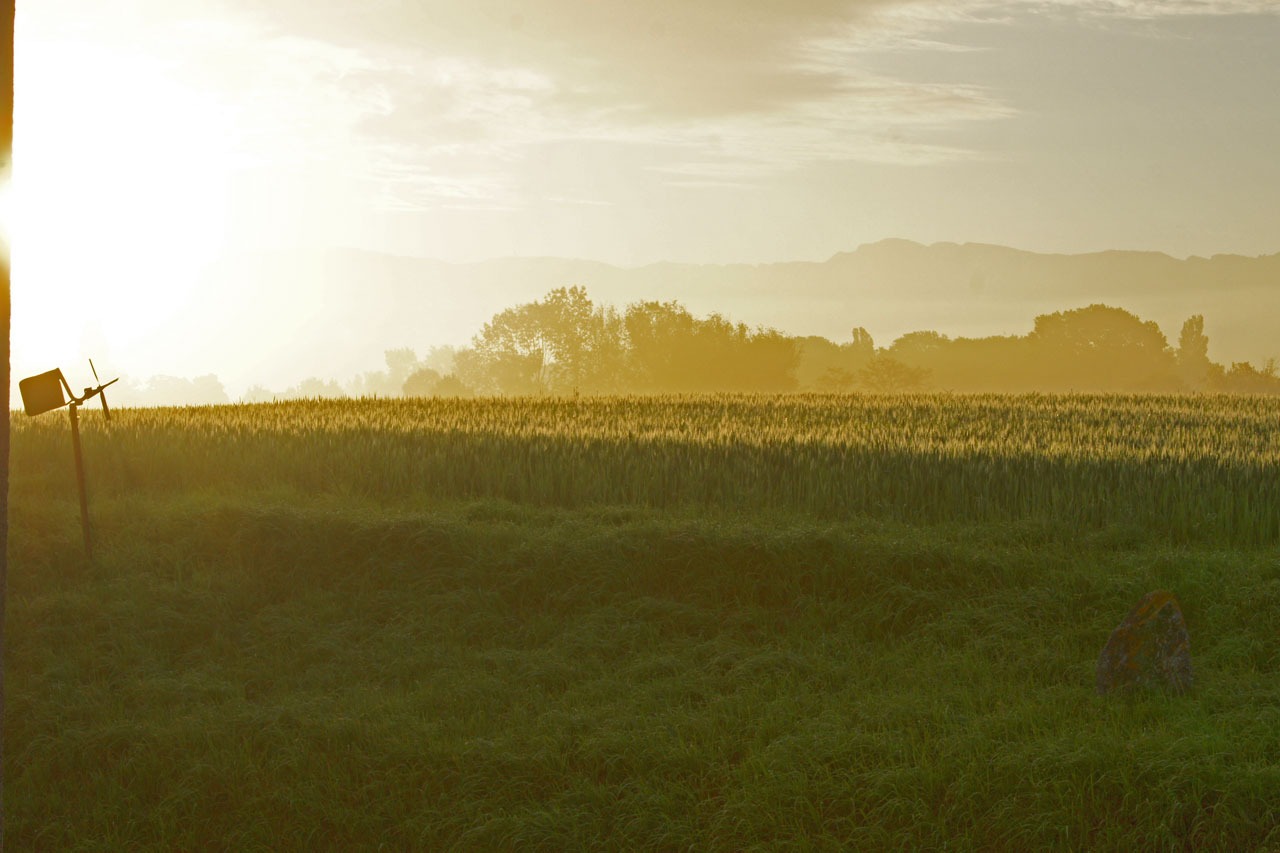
x: 153, y: 136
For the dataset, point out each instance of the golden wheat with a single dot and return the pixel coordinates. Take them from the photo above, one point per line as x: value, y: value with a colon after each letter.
x: 1200, y: 468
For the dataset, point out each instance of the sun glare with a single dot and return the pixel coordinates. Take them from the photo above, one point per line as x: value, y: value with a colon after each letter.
x: 6, y: 207
x: 119, y: 196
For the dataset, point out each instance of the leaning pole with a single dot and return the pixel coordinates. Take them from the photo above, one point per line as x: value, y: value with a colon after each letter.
x: 6, y: 149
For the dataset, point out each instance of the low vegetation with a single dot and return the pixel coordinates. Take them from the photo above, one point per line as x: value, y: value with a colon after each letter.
x: 735, y: 622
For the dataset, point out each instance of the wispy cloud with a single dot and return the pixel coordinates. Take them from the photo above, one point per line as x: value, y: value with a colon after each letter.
x: 445, y: 99
x: 724, y: 103
x: 990, y: 10
x: 436, y: 103
x: 1169, y: 8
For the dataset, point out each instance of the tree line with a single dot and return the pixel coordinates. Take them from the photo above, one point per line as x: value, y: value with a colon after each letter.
x: 566, y: 344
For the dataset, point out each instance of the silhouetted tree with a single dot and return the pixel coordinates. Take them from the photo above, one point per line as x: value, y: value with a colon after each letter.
x: 425, y: 382
x: 390, y: 382
x: 1244, y: 378
x: 1100, y: 348
x: 861, y: 344
x: 309, y: 388
x: 823, y: 365
x: 439, y: 359
x: 561, y: 343
x: 421, y: 383
x: 314, y: 387
x: 885, y: 374
x: 472, y: 370
x: 258, y: 394
x: 919, y: 346
x: 588, y: 342
x: 511, y: 352
x: 767, y: 360
x: 673, y: 351
x: 1193, y: 353
x: 451, y: 386
x: 837, y: 380
x: 171, y: 391
x: 661, y: 336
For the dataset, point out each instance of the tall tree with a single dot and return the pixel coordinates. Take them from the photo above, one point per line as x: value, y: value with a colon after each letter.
x: 587, y: 342
x: 675, y: 352
x: 824, y: 365
x: 661, y: 336
x: 1193, y: 353
x: 861, y: 344
x: 561, y: 343
x: 511, y: 353
x: 421, y: 383
x: 1101, y: 348
x: 885, y: 374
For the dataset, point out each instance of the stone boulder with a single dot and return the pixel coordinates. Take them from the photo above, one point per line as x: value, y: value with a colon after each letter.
x: 1151, y: 648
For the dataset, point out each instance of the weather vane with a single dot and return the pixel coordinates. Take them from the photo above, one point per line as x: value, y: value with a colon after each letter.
x: 43, y: 393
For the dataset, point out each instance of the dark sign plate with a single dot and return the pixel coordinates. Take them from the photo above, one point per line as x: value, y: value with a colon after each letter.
x: 43, y: 392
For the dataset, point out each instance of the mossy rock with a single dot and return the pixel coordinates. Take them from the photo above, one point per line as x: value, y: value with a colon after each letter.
x: 1150, y: 649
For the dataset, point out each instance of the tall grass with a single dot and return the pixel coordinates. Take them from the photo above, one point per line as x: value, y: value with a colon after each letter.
x: 1198, y: 469
x: 683, y: 623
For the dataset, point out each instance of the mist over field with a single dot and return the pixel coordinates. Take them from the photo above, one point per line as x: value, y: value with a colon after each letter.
x: 289, y: 173
x: 889, y: 288
x: 247, y: 328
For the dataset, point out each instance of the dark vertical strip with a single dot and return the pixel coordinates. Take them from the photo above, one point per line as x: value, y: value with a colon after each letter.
x: 6, y: 148
x: 84, y: 494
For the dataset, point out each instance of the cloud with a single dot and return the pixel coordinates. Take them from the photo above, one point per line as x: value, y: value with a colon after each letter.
x: 727, y: 90
x: 661, y: 58
x: 435, y: 102
x: 941, y: 10
x: 1170, y: 8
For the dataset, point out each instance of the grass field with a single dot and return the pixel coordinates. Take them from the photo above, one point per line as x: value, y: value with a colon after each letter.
x: 677, y: 623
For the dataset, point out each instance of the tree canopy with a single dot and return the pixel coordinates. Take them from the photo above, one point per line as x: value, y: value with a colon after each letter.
x: 564, y: 343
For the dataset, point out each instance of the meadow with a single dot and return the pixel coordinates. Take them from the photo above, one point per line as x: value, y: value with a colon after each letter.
x: 707, y: 622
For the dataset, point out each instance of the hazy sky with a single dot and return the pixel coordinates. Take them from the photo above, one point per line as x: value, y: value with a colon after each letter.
x: 152, y: 135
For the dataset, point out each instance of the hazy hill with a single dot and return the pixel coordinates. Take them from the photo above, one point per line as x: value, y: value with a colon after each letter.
x: 359, y: 303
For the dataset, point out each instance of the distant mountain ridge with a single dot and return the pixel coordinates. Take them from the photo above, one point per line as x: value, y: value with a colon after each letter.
x: 360, y: 303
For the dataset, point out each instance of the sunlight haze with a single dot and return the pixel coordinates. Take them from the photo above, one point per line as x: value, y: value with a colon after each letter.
x: 670, y: 425
x: 155, y: 139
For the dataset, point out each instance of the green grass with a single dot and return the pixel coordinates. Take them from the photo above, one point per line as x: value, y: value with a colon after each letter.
x: 249, y: 669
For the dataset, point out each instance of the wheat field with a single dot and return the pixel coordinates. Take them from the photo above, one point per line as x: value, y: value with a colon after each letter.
x: 679, y: 623
x: 1193, y: 469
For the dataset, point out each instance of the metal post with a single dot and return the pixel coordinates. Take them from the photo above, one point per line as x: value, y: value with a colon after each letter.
x: 84, y: 497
